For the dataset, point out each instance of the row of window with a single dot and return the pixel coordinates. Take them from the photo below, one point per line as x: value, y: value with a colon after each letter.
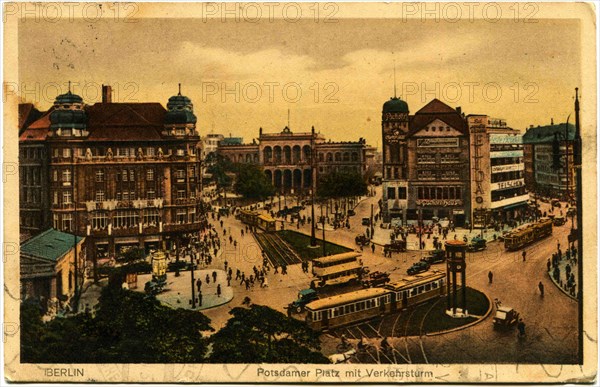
x: 101, y: 196
x: 100, y: 176
x: 505, y: 161
x: 121, y: 152
x: 30, y: 176
x: 391, y: 193
x: 375, y: 302
x: 31, y: 195
x: 36, y: 153
x: 445, y: 174
x: 439, y: 192
x: 504, y: 176
x: 509, y: 193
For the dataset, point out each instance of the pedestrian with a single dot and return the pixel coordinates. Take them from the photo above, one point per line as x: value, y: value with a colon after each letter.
x: 207, y: 279
x: 524, y: 255
x: 198, y: 284
x: 237, y: 274
x: 373, y: 248
x: 199, y: 298
x: 541, y: 287
x: 521, y: 328
x: 229, y: 281
x: 214, y: 275
x: 548, y: 264
x: 225, y: 265
x: 490, y: 277
x: 247, y: 284
x: 219, y: 290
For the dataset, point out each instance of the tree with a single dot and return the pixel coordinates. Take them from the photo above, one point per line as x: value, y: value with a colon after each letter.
x: 252, y: 183
x: 128, y: 327
x: 219, y: 169
x: 260, y: 334
x: 342, y: 185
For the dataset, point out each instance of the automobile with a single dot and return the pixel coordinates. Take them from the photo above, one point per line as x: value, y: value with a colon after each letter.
x: 154, y: 286
x: 477, y: 244
x: 555, y: 203
x: 351, y: 213
x: 374, y: 279
x: 366, y: 221
x: 304, y: 297
x: 296, y: 208
x: 362, y: 240
x: 505, y: 318
x: 396, y: 246
x: 435, y: 256
x: 559, y: 221
x: 418, y: 267
x: 224, y: 211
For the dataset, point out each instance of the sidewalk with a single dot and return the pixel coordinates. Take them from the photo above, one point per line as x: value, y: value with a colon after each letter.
x: 562, y: 278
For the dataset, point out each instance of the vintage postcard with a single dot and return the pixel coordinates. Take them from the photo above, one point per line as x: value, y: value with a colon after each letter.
x: 309, y: 192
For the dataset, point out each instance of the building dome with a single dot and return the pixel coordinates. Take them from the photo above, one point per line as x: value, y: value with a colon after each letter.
x: 395, y: 105
x: 68, y: 112
x: 180, y: 110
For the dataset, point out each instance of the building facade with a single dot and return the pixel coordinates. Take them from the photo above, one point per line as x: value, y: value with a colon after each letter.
x: 123, y: 174
x: 551, y: 177
x: 287, y: 157
x: 425, y: 163
x: 47, y: 266
x: 498, y: 192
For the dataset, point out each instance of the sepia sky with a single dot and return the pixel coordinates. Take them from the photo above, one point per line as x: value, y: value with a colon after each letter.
x: 242, y: 76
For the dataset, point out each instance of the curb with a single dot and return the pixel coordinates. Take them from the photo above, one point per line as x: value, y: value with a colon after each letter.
x: 560, y: 288
x: 479, y: 320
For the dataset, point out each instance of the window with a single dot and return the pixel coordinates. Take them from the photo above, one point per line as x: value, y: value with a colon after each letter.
x: 131, y: 175
x: 100, y: 196
x: 180, y: 174
x: 55, y: 198
x: 125, y: 196
x: 179, y: 132
x: 402, y: 193
x: 150, y: 174
x: 66, y: 152
x: 67, y: 219
x: 66, y: 176
x: 151, y: 217
x: 55, y: 222
x: 181, y: 194
x: 99, y: 176
x: 150, y: 151
x: 180, y: 151
x: 54, y: 175
x: 124, y: 175
x: 99, y: 220
x: 191, y: 215
x: 67, y: 197
x: 180, y: 216
x: 122, y: 152
x: 391, y: 193
x: 118, y: 196
x: 125, y: 219
x: 150, y: 195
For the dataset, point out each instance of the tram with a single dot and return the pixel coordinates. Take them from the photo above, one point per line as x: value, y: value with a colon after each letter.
x: 318, y: 264
x: 365, y: 304
x: 528, y: 234
x: 255, y: 219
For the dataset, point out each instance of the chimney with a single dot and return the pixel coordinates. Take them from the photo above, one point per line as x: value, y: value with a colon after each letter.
x: 459, y: 109
x: 106, y: 94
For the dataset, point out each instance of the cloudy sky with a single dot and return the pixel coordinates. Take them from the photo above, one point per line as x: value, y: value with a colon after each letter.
x: 335, y: 76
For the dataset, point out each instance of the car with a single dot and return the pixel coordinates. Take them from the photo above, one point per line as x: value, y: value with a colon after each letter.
x: 376, y: 278
x: 366, y: 221
x: 435, y: 256
x: 418, y: 267
x: 362, y: 240
x: 477, y: 244
x: 559, y: 221
x: 304, y: 297
x: 505, y: 318
x: 397, y: 246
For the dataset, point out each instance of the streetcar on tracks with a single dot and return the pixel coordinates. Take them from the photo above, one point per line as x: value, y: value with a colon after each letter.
x: 255, y: 219
x: 528, y: 234
x: 365, y: 304
x: 320, y: 264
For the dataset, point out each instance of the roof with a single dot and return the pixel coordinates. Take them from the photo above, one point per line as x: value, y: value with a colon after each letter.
x: 51, y: 244
x: 436, y: 109
x: 421, y: 278
x: 27, y: 114
x: 267, y: 218
x: 395, y: 105
x: 125, y: 121
x: 545, y: 134
x: 346, y: 298
x: 337, y: 257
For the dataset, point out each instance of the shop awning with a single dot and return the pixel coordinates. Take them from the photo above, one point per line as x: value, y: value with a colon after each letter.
x: 509, y: 207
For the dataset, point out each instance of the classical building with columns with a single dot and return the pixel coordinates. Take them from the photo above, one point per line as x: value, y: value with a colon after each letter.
x: 287, y: 157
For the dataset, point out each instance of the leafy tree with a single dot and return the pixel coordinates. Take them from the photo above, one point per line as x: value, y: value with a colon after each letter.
x: 342, y: 185
x: 252, y: 183
x: 219, y: 169
x: 260, y: 334
x: 128, y: 327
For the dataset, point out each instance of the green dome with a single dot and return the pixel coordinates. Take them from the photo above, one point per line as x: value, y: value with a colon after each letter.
x: 395, y: 105
x: 180, y: 110
x: 64, y: 116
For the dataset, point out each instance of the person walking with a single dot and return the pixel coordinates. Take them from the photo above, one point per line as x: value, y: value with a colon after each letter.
x: 541, y: 287
x: 524, y: 254
x: 207, y: 279
x: 219, y: 290
x: 521, y: 328
x: 373, y: 248
x: 199, y: 298
x: 214, y: 275
x: 490, y: 277
x: 199, y: 284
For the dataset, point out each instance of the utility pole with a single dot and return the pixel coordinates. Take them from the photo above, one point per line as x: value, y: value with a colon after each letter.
x: 76, y: 263
x: 192, y: 275
x: 313, y: 162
